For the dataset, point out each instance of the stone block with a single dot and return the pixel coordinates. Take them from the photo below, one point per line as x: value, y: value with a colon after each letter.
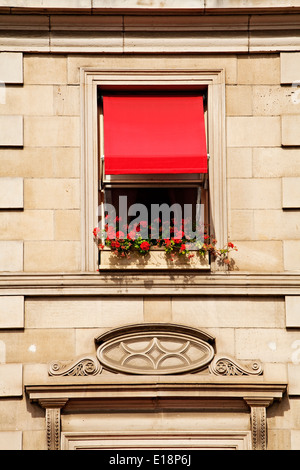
x: 11, y: 256
x: 290, y: 135
x: 10, y: 440
x: 44, y: 69
x: 11, y: 68
x: 31, y: 224
x: 291, y: 193
x: 153, y: 62
x: 27, y: 100
x: 66, y: 100
x: 27, y: 162
x: 40, y: 162
x: 276, y: 162
x: 157, y: 309
x: 52, y: 256
x: 294, y: 378
x: 11, y: 193
x: 275, y: 100
x: 258, y: 256
x: 66, y: 162
x: 279, y: 439
x: 239, y: 162
x: 67, y: 225
x: 60, y: 131
x: 241, y: 225
x: 51, y: 193
x: 258, y: 193
x: 228, y: 312
x: 271, y: 345
x: 289, y: 68
x: 34, y: 440
x: 257, y: 131
x: 295, y: 439
x: 83, y: 312
x: 239, y: 100
x: 292, y: 311
x: 39, y: 347
x: 11, y: 380
x: 12, y: 311
x: 275, y: 225
x: 11, y: 131
x: 262, y: 69
x: 291, y: 253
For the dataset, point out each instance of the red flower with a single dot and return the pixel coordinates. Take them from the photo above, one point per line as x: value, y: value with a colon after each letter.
x: 131, y: 235
x: 230, y: 245
x: 182, y: 247
x: 120, y: 234
x: 178, y: 234
x: 96, y: 231
x: 145, y: 246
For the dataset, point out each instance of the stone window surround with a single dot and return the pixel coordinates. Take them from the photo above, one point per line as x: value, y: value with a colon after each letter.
x: 91, y: 79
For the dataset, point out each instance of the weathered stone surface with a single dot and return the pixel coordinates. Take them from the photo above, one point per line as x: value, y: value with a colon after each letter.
x: 11, y: 193
x: 11, y: 311
x: 11, y: 384
x: 11, y: 131
x: 292, y: 311
x: 291, y: 193
x: 11, y: 68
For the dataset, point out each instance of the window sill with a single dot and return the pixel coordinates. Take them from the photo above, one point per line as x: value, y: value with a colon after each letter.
x: 156, y: 259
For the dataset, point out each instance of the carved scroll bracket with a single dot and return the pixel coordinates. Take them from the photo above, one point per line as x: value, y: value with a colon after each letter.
x: 258, y: 407
x: 53, y: 426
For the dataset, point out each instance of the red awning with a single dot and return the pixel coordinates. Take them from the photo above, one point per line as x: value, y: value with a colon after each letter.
x: 154, y: 134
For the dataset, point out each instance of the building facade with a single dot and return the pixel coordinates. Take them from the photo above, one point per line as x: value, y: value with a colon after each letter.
x: 98, y: 351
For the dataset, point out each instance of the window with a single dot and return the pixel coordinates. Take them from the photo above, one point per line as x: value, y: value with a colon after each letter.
x: 136, y: 186
x: 154, y: 167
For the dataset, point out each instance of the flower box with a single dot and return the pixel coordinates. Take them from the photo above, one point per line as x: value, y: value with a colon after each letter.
x: 155, y: 259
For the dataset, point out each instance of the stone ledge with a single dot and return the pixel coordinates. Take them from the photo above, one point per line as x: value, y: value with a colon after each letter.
x: 153, y: 282
x: 91, y: 6
x: 125, y: 30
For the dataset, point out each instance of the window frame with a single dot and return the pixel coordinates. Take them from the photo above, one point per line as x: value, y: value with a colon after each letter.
x: 91, y: 79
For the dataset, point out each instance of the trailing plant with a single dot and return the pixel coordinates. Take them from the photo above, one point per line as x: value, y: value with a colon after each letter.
x: 123, y: 241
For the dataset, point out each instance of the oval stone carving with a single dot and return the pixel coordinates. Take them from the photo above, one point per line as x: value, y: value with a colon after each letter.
x: 155, y: 353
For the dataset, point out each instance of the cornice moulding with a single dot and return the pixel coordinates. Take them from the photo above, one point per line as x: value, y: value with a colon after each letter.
x: 147, y: 6
x: 159, y: 32
x: 90, y: 284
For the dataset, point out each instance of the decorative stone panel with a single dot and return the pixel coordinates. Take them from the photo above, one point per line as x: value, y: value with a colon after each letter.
x: 11, y: 131
x: 154, y: 349
x: 11, y: 380
x: 11, y: 193
x: 292, y: 311
x: 12, y: 311
x: 11, y: 68
x: 291, y: 193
